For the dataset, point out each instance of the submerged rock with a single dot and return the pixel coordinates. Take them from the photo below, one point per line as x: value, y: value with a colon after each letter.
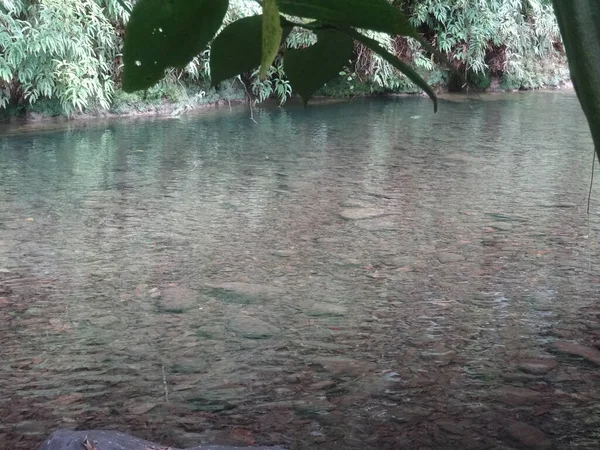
x: 178, y: 299
x: 252, y: 327
x: 445, y: 257
x: 112, y: 440
x: 377, y: 224
x: 528, y: 435
x: 518, y: 396
x: 572, y: 348
x: 327, y: 309
x: 538, y: 366
x: 361, y: 213
x: 239, y: 292
x: 345, y: 366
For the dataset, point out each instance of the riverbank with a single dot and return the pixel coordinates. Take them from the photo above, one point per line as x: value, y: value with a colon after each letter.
x: 135, y: 105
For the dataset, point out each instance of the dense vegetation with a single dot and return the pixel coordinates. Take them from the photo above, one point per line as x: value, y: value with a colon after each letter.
x: 64, y: 56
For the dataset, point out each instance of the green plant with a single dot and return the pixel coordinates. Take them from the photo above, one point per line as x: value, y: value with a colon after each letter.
x: 60, y: 49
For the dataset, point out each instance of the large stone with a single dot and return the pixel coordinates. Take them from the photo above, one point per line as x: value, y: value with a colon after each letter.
x: 361, y: 213
x: 572, y: 348
x: 528, y: 435
x: 252, y: 327
x: 112, y: 440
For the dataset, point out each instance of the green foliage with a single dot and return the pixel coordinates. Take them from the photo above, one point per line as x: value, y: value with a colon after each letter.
x: 60, y: 49
x: 310, y: 68
x: 68, y: 52
x: 580, y: 26
x: 237, y: 49
x: 189, y: 23
x: 377, y: 15
x: 471, y: 33
x: 163, y: 34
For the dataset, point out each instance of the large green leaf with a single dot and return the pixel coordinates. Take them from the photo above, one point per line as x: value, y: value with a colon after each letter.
x: 310, y: 68
x: 271, y: 35
x: 579, y: 22
x: 377, y: 15
x: 401, y: 66
x: 167, y: 33
x: 238, y: 48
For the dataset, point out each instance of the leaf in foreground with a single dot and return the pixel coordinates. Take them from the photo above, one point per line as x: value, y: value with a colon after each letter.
x: 238, y: 48
x: 271, y: 35
x: 377, y: 15
x: 579, y: 22
x: 310, y: 68
x: 162, y: 34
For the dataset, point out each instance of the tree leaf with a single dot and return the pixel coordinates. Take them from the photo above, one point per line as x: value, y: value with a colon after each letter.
x: 167, y: 33
x: 271, y: 35
x: 401, y: 66
x: 376, y: 15
x: 579, y: 22
x: 309, y: 68
x: 238, y: 48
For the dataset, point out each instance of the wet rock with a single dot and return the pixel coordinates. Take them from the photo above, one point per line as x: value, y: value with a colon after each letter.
x: 528, y: 435
x: 445, y: 257
x: 327, y: 309
x: 178, y: 299
x: 252, y: 327
x: 361, y: 213
x: 572, y: 348
x: 538, y: 366
x: 518, y: 396
x: 345, y: 366
x: 112, y: 440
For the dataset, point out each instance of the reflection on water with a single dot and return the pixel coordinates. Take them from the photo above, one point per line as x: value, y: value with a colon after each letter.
x: 341, y: 276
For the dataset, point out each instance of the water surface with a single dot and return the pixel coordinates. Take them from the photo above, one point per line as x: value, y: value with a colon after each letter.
x: 210, y: 279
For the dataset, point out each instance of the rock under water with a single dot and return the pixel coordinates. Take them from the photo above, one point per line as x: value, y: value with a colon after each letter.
x: 112, y: 440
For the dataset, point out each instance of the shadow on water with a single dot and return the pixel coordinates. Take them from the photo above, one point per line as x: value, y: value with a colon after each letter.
x: 363, y: 275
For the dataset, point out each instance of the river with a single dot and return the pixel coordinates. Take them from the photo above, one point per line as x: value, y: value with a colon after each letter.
x: 345, y: 276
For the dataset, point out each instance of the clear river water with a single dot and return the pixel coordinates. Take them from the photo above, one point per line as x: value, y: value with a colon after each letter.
x: 346, y: 276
